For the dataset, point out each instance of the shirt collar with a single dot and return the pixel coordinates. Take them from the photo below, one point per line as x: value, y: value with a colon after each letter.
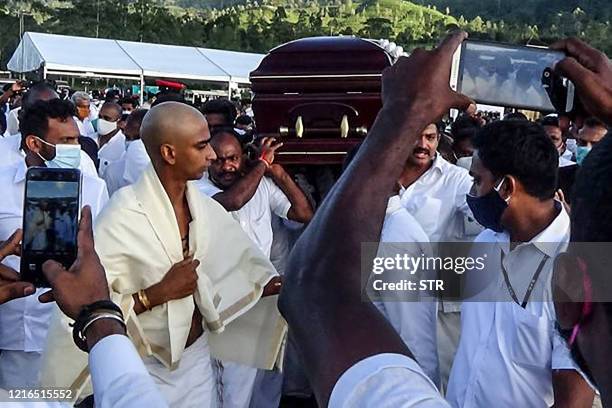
x: 547, y: 241
x: 439, y: 163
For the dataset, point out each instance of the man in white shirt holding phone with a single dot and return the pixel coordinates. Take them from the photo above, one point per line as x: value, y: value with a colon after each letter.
x: 51, y: 139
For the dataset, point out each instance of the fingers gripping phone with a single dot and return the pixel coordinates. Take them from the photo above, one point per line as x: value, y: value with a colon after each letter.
x: 506, y: 75
x: 51, y: 212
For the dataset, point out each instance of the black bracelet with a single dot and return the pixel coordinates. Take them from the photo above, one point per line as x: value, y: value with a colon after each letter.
x: 85, y: 316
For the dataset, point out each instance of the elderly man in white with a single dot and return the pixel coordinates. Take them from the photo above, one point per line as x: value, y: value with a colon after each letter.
x: 83, y: 118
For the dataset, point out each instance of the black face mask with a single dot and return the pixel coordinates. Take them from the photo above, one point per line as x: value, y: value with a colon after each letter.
x: 488, y: 209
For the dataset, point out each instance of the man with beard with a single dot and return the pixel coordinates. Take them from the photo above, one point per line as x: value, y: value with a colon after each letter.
x: 247, y: 193
x: 252, y: 199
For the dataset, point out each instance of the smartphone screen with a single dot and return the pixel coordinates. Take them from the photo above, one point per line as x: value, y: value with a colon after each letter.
x: 505, y: 75
x: 50, y: 220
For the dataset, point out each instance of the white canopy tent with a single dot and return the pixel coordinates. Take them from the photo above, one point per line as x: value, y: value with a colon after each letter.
x: 105, y: 58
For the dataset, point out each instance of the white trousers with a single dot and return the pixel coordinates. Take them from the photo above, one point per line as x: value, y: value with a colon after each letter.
x: 192, y: 383
x: 234, y: 384
x: 19, y: 369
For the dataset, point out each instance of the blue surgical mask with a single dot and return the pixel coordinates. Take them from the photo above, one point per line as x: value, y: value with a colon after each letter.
x: 581, y: 154
x: 67, y: 156
x: 488, y: 209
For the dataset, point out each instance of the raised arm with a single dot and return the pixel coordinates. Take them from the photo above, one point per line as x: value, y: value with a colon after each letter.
x: 235, y: 197
x: 322, y: 289
x: 300, y: 210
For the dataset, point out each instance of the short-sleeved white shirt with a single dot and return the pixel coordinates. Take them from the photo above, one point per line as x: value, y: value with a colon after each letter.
x: 502, y: 343
x: 255, y: 217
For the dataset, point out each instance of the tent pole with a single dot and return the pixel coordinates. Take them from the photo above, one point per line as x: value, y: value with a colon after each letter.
x: 142, y: 89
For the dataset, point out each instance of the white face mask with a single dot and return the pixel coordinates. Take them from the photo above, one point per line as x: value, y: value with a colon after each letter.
x: 105, y: 127
x: 465, y: 162
x: 67, y: 156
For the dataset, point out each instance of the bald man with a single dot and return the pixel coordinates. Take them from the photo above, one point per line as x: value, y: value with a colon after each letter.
x: 187, y: 293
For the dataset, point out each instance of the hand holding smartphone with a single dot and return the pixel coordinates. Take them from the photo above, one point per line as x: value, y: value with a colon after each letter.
x: 508, y: 75
x: 51, y: 215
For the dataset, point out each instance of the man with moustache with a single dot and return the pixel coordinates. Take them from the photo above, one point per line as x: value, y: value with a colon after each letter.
x: 433, y: 191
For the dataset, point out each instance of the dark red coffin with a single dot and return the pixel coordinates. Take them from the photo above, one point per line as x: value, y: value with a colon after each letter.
x: 320, y: 95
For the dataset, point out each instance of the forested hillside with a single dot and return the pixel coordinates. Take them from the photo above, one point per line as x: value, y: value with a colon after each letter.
x: 260, y: 25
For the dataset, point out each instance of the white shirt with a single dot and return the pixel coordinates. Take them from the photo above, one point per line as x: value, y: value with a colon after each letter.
x: 113, y: 176
x: 414, y: 319
x: 437, y: 200
x: 86, y: 128
x: 136, y: 161
x: 24, y: 322
x: 111, y: 152
x: 11, y: 153
x: 564, y: 161
x: 504, y: 345
x: 119, y: 378
x: 12, y: 121
x: 255, y: 217
x: 385, y: 381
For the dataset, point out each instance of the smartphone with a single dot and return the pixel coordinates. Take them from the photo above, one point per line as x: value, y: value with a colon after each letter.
x: 51, y: 212
x: 503, y: 75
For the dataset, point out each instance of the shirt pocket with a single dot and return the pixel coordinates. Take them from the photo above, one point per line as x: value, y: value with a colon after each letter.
x: 532, y: 339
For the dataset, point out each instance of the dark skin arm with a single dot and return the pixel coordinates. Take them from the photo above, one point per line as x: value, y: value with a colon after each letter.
x: 323, y: 274
x: 83, y: 284
x: 10, y: 286
x: 571, y: 390
x: 300, y: 210
x: 591, y: 72
x: 179, y: 282
x: 235, y: 197
x: 16, y: 87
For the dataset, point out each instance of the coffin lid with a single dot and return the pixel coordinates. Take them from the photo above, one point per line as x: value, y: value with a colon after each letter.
x: 324, y: 56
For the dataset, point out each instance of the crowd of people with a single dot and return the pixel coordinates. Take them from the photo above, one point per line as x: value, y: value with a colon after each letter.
x: 206, y: 278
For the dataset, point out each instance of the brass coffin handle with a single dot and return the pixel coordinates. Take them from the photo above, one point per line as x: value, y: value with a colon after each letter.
x: 344, y: 129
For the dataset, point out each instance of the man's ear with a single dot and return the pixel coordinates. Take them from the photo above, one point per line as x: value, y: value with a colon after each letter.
x: 33, y: 144
x: 509, y: 187
x: 168, y: 154
x: 568, y: 290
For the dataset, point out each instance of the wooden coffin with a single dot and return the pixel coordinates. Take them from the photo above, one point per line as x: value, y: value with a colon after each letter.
x: 319, y: 95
